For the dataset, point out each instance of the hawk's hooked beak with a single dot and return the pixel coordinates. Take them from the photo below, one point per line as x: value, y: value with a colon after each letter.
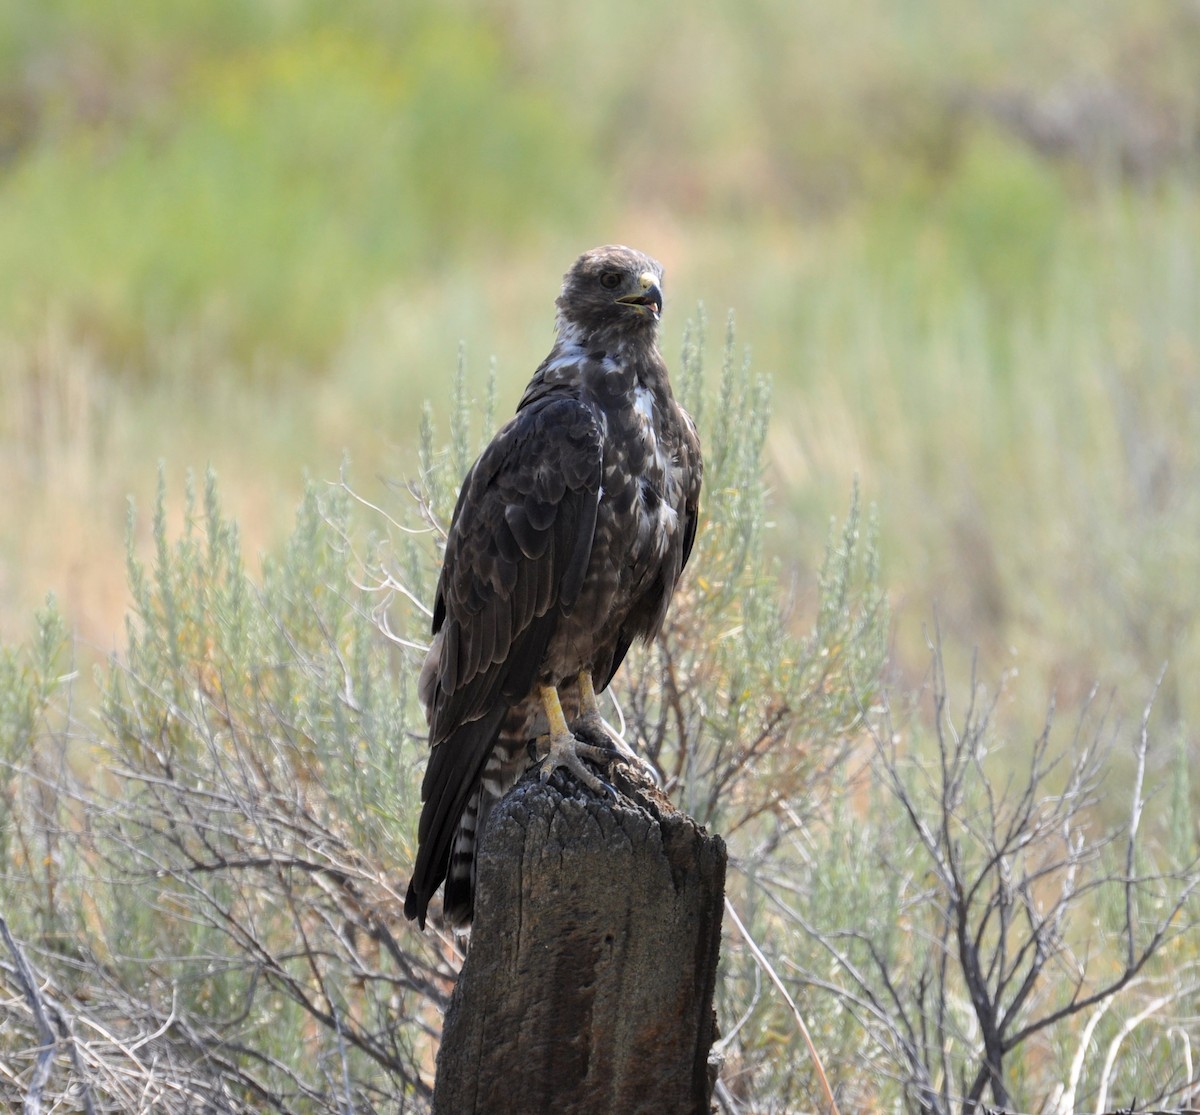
x: 650, y: 295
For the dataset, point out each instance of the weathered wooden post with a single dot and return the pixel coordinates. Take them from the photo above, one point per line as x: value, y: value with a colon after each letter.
x: 588, y: 984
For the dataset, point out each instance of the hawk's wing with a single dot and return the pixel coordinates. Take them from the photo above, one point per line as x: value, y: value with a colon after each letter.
x: 518, y: 549
x: 694, y: 465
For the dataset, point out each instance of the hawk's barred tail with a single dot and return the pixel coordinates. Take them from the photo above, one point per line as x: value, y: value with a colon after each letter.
x: 505, y: 765
x: 453, y: 775
x: 458, y: 898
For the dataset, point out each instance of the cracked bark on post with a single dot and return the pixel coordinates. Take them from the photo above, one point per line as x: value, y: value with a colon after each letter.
x: 588, y: 984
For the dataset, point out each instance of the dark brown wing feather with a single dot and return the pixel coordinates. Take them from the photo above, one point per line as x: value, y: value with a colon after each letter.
x: 517, y: 552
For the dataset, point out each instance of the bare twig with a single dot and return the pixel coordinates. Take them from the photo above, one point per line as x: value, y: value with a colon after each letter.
x: 41, y: 1071
x: 1009, y: 866
x: 1127, y: 1028
x: 42, y: 1011
x: 773, y: 976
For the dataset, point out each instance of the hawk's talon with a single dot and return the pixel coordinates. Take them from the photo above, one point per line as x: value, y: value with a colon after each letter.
x: 568, y: 752
x: 590, y: 727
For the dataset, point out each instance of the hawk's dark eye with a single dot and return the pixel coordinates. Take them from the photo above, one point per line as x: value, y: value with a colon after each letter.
x: 610, y: 280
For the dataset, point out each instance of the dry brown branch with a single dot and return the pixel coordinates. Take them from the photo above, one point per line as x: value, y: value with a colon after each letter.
x: 1011, y: 869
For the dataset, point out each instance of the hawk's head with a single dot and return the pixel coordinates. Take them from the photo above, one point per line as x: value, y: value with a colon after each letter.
x: 612, y: 290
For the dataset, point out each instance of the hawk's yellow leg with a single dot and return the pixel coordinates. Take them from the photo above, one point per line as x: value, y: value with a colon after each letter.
x: 588, y: 705
x: 590, y: 723
x: 561, y: 747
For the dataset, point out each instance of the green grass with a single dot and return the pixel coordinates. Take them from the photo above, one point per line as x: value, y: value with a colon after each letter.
x: 1028, y: 429
x: 278, y: 190
x: 1035, y: 466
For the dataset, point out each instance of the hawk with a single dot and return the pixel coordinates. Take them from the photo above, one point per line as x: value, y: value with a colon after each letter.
x: 567, y: 541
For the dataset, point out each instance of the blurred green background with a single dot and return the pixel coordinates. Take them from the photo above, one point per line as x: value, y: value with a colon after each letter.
x: 963, y: 240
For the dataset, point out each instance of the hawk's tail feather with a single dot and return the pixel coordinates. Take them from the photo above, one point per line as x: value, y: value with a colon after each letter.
x: 508, y: 760
x: 452, y: 778
x: 458, y: 900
